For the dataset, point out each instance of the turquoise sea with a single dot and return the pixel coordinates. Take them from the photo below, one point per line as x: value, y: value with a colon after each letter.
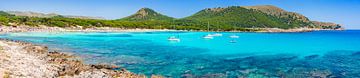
x: 257, y: 55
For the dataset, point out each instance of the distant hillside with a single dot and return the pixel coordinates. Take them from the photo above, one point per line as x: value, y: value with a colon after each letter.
x: 2, y: 13
x: 273, y: 10
x: 83, y: 17
x: 293, y: 17
x: 326, y: 25
x: 242, y: 17
x: 43, y: 15
x: 146, y: 14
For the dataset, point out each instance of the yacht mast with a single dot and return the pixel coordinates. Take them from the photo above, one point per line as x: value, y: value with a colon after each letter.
x: 208, y: 26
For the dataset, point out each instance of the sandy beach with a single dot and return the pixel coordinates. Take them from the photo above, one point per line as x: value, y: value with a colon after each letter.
x: 25, y: 60
x: 9, y: 29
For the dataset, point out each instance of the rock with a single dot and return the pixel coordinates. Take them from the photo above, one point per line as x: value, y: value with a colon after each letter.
x: 215, y: 75
x: 103, y: 66
x: 32, y: 61
x: 187, y: 76
x: 55, y: 54
x: 320, y: 73
x: 36, y: 49
x: 156, y: 76
x: 247, y: 71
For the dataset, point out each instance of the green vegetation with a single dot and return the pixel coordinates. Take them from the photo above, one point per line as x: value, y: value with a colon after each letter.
x: 4, y: 18
x: 146, y: 14
x: 220, y: 19
x: 242, y: 17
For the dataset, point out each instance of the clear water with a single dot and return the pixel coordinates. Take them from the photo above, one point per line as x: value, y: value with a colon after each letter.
x: 329, y: 53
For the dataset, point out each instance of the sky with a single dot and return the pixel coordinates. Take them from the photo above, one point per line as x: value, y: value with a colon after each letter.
x: 344, y: 12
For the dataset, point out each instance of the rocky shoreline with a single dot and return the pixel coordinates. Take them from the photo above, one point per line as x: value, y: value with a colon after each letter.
x: 21, y: 59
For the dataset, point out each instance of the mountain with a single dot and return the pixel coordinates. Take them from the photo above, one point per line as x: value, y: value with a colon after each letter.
x: 146, y: 14
x: 32, y: 14
x: 278, y: 12
x: 293, y: 17
x: 49, y: 15
x: 242, y: 17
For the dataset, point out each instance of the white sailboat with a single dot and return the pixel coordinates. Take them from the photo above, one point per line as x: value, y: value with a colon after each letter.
x: 217, y: 34
x: 209, y: 36
x: 174, y: 38
x: 234, y: 36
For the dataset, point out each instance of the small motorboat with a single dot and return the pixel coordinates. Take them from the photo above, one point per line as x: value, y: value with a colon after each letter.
x: 209, y: 36
x: 217, y: 34
x: 234, y: 36
x: 173, y: 38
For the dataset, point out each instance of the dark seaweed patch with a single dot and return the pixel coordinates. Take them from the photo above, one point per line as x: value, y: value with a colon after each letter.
x: 311, y: 57
x: 356, y: 53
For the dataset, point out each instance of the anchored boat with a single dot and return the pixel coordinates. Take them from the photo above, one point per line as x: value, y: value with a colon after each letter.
x: 234, y: 36
x: 209, y: 36
x: 173, y: 38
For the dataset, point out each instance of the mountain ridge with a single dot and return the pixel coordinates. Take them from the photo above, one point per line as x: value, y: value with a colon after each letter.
x: 243, y: 17
x: 146, y: 14
x: 220, y: 19
x: 276, y: 11
x: 48, y: 15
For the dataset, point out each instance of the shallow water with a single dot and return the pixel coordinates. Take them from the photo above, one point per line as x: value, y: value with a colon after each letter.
x: 310, y: 54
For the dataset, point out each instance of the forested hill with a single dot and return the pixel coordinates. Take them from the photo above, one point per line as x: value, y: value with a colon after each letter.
x: 242, y: 17
x: 146, y: 14
x: 293, y: 17
x: 222, y: 19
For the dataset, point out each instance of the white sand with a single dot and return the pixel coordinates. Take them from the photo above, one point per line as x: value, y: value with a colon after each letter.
x: 17, y: 62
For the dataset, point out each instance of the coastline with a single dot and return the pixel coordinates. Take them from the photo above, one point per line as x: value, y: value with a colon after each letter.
x: 22, y: 59
x: 10, y: 29
x: 277, y: 30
